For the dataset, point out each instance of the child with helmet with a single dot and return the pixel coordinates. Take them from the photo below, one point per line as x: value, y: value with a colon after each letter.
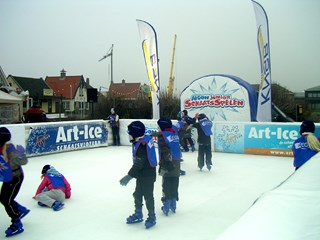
x: 144, y: 171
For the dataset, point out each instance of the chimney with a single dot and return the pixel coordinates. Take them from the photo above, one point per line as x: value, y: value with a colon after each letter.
x: 62, y: 74
x: 123, y: 82
x: 88, y: 81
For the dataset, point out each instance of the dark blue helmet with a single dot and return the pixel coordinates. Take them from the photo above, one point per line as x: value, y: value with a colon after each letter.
x: 136, y: 129
x: 164, y: 123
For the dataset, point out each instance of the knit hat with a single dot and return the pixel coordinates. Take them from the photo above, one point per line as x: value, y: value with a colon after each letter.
x: 201, y: 116
x: 185, y: 112
x: 307, y: 126
x: 136, y: 129
x: 5, y: 135
x: 164, y: 123
x: 45, y: 169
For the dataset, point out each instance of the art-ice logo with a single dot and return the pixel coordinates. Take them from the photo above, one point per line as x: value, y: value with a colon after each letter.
x: 66, y: 134
x: 268, y: 133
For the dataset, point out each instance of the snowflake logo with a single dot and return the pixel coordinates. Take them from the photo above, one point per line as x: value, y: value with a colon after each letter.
x: 223, y: 90
x: 229, y: 136
x: 37, y: 139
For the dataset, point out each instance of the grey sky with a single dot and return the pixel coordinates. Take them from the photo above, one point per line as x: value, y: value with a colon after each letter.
x: 40, y: 37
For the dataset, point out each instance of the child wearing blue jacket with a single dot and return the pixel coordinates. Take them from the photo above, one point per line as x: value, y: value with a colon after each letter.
x: 203, y: 127
x: 11, y: 174
x: 144, y: 171
x: 169, y: 164
x: 306, y: 146
x: 53, y: 189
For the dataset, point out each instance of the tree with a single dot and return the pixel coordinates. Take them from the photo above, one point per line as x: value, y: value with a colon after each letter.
x: 283, y: 99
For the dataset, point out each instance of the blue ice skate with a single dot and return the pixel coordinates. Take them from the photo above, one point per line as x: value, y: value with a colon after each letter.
x: 57, y: 206
x: 166, y: 206
x: 151, y: 221
x: 15, y: 228
x: 135, y: 218
x: 42, y: 204
x: 173, y: 205
x: 23, y: 211
x: 209, y: 166
x: 192, y: 148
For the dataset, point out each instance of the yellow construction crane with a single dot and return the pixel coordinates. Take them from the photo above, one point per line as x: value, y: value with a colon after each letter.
x: 171, y: 77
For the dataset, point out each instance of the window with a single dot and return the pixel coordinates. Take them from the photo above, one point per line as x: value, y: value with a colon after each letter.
x: 66, y: 105
x: 313, y: 94
x: 314, y: 106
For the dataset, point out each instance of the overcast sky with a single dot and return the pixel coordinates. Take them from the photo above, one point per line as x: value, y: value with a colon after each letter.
x: 41, y: 37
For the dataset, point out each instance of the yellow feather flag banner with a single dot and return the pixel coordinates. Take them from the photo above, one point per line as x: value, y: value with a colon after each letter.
x: 148, y: 64
x: 264, y: 108
x: 148, y: 38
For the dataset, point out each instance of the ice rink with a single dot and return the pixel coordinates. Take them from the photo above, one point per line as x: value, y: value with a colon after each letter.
x: 99, y: 205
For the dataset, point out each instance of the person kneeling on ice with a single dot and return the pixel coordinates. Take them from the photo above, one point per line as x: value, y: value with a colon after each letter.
x: 53, y: 189
x: 144, y: 170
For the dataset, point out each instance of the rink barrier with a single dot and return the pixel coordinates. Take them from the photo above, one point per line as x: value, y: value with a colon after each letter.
x: 55, y: 137
x: 234, y: 137
x: 289, y: 211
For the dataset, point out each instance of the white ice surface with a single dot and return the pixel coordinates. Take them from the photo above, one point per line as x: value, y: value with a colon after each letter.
x: 99, y: 205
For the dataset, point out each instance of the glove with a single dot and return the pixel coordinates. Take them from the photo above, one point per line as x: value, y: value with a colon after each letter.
x: 21, y: 152
x: 196, y: 116
x: 169, y: 166
x: 162, y: 171
x: 124, y: 181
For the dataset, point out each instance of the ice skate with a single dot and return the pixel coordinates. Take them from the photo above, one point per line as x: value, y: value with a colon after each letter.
x: 166, y: 207
x: 23, y: 211
x: 57, y: 206
x: 135, y: 218
x: 15, y: 228
x: 151, y: 221
x: 173, y: 205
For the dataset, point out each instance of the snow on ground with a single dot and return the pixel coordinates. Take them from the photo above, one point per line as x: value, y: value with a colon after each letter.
x: 99, y: 205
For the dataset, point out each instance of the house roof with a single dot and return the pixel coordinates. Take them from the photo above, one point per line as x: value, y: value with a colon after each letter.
x: 66, y: 86
x: 7, y: 98
x: 124, y: 90
x: 35, y: 86
x: 317, y: 88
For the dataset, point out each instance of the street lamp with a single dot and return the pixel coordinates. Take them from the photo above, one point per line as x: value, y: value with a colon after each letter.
x: 70, y: 98
x: 109, y: 54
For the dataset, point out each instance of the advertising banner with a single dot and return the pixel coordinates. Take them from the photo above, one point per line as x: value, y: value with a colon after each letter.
x: 44, y: 139
x: 264, y: 99
x: 221, y: 98
x: 150, y: 52
x: 256, y: 138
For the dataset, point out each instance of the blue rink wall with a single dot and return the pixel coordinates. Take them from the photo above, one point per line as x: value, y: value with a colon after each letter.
x: 234, y: 137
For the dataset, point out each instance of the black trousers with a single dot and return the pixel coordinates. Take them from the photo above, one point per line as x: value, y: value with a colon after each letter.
x: 115, y: 136
x: 9, y: 191
x: 144, y: 189
x: 170, y: 187
x: 186, y: 138
x: 204, y: 153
